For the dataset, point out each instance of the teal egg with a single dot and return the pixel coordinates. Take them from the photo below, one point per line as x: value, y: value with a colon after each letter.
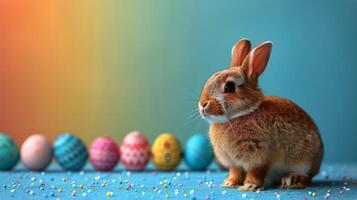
x: 9, y: 153
x: 198, y: 152
x: 70, y: 152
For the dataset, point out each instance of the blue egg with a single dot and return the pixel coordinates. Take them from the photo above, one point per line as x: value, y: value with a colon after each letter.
x: 9, y: 153
x: 198, y: 152
x: 70, y: 152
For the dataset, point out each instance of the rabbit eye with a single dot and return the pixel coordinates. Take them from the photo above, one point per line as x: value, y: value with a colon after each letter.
x: 230, y: 87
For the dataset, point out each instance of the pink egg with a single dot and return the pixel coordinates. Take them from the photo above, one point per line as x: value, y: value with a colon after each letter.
x: 36, y: 152
x: 104, y: 154
x: 135, y: 151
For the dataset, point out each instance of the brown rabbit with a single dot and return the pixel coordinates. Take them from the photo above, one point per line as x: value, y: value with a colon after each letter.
x: 258, y: 136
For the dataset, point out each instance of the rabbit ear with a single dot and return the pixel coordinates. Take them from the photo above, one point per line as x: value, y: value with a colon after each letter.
x: 239, y: 51
x: 256, y: 61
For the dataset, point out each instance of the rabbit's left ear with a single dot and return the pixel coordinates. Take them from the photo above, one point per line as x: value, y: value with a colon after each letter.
x: 239, y: 51
x: 256, y: 61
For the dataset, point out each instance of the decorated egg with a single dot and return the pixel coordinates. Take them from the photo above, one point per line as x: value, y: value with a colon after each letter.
x: 36, y: 152
x: 9, y: 153
x: 198, y: 152
x: 104, y: 154
x: 166, y: 152
x: 135, y: 151
x: 70, y: 152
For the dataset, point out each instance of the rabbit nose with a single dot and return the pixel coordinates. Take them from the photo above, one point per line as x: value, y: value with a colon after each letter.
x: 205, y: 105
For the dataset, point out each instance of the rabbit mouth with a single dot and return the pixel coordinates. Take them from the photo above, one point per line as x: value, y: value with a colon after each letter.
x: 213, y: 111
x: 227, y: 117
x: 213, y: 118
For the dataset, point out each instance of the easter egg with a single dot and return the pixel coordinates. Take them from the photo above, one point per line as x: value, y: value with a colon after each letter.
x: 166, y: 152
x: 198, y: 152
x: 36, y: 152
x: 9, y: 153
x: 135, y: 151
x: 70, y: 152
x: 104, y: 154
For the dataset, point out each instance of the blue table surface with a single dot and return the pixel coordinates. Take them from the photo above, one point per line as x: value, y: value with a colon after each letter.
x: 335, y: 181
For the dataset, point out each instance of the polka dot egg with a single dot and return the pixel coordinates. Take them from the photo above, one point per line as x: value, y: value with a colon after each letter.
x: 166, y: 152
x: 135, y: 151
x: 70, y: 152
x: 104, y: 154
x: 9, y: 153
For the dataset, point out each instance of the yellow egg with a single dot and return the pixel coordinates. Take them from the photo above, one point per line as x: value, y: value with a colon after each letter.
x: 166, y: 152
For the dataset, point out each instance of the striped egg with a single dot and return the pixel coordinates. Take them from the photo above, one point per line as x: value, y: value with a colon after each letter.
x: 135, y: 151
x: 9, y: 153
x: 104, y: 154
x: 70, y: 152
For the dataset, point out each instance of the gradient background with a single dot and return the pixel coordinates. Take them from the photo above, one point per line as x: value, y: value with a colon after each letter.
x: 108, y: 67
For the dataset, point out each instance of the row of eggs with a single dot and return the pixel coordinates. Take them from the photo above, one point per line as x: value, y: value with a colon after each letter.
x: 134, y: 152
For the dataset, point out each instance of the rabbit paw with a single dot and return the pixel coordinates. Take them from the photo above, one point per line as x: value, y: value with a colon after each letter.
x: 250, y: 187
x: 294, y: 181
x: 231, y: 183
